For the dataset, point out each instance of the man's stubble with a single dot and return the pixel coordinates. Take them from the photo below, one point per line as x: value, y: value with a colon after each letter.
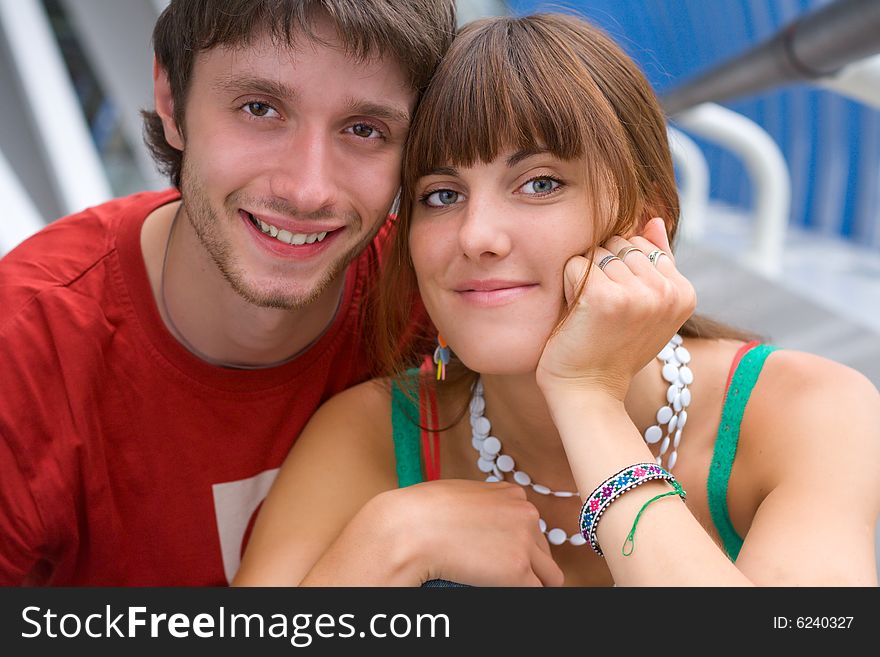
x: 203, y: 218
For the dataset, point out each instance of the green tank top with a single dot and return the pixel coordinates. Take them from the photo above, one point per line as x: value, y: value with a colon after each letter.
x: 407, y: 443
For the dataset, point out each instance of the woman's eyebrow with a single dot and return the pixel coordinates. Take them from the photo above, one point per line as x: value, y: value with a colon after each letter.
x: 523, y: 154
x: 441, y: 171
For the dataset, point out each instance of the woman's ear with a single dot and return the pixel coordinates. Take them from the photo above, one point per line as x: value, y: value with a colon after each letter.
x: 165, y: 106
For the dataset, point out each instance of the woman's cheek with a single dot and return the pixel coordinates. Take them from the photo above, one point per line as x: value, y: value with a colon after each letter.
x: 419, y: 234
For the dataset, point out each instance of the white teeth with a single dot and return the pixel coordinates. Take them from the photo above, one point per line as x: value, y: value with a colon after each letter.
x: 296, y: 239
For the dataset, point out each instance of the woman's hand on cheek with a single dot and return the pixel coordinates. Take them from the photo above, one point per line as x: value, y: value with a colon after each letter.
x: 625, y: 314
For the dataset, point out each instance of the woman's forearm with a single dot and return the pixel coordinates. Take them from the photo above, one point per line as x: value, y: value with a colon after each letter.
x: 370, y: 551
x: 670, y: 547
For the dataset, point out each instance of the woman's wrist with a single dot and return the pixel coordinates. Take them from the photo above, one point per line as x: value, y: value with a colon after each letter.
x: 585, y: 385
x: 398, y: 545
x: 574, y: 397
x: 369, y: 550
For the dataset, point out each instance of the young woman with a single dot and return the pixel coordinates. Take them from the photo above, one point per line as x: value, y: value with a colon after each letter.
x: 537, y: 213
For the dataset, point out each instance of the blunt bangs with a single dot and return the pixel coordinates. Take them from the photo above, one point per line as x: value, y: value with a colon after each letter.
x: 499, y: 89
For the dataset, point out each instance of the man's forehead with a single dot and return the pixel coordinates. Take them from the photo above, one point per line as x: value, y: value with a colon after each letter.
x: 267, y: 56
x: 286, y: 46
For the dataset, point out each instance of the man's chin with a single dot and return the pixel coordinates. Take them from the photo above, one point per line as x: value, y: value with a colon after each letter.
x: 286, y: 299
x: 278, y: 294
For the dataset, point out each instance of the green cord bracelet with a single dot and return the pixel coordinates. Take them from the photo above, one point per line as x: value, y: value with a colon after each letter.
x: 630, y: 538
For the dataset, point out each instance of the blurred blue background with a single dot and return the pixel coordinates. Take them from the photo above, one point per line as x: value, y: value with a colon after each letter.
x: 831, y: 144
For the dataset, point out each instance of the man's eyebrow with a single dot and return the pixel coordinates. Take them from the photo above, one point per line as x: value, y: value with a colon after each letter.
x: 378, y: 110
x: 253, y: 84
x: 523, y: 154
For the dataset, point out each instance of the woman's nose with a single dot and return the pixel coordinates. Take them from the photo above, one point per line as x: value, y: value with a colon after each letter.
x: 483, y: 232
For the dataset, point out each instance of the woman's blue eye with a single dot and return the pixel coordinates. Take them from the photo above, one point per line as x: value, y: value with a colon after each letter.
x: 441, y: 197
x: 540, y: 186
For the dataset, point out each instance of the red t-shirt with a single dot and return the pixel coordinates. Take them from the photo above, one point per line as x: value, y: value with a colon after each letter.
x: 124, y: 459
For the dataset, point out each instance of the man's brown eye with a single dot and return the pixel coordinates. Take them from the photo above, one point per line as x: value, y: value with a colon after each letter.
x: 258, y: 109
x: 363, y: 130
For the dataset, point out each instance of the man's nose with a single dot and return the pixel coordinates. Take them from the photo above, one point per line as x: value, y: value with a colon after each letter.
x: 304, y: 176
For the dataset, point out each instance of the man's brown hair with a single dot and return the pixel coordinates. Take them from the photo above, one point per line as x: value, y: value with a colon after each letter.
x: 415, y: 33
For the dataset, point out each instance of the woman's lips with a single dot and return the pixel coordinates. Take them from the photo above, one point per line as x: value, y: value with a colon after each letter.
x: 495, y: 296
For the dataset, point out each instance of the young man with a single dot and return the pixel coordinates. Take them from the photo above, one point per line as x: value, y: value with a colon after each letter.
x: 161, y: 352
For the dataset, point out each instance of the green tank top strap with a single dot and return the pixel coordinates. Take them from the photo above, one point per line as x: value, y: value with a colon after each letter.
x: 738, y: 393
x: 405, y: 428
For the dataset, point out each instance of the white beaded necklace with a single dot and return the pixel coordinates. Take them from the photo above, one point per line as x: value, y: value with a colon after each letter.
x: 671, y: 419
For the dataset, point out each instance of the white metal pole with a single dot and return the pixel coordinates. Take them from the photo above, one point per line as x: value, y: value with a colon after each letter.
x: 693, y: 185
x: 49, y: 97
x: 767, y: 170
x: 21, y: 219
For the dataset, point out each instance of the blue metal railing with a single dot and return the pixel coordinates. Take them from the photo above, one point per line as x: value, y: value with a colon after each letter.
x: 831, y: 144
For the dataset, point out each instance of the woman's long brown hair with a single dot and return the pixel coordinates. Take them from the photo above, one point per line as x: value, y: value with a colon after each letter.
x: 543, y: 82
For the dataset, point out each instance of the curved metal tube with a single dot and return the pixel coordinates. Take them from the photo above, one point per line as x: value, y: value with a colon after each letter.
x: 693, y: 174
x: 815, y: 46
x: 767, y: 170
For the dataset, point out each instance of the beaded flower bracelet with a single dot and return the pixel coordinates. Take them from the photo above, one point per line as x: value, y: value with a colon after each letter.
x: 615, y: 486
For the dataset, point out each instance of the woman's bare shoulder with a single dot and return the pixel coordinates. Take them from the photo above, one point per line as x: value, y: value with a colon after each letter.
x: 811, y: 437
x: 815, y: 412
x: 803, y: 384
x: 371, y: 397
x: 360, y: 415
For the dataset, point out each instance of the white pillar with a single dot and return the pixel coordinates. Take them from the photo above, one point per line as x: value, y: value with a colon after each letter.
x: 48, y: 96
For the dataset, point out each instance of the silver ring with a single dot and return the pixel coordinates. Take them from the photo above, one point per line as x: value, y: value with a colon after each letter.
x: 654, y: 256
x: 625, y: 251
x: 604, y: 261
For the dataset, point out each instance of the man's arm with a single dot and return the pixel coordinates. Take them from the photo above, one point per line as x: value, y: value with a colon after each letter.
x: 22, y: 534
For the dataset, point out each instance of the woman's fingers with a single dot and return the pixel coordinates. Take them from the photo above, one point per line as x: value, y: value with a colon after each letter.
x: 655, y: 232
x: 661, y: 260
x: 631, y: 255
x: 610, y: 265
x: 546, y: 569
x: 541, y: 566
x: 541, y: 540
x: 575, y: 270
x: 655, y: 243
